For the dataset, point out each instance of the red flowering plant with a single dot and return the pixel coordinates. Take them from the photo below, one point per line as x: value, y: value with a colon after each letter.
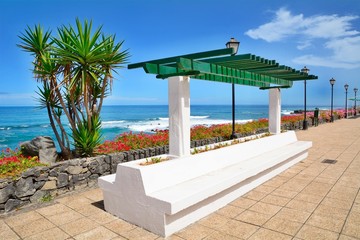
x: 131, y: 141
x: 13, y: 162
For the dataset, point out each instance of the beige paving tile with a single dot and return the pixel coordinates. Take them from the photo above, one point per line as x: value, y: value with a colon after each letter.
x: 64, y: 217
x: 34, y: 227
x: 103, y: 217
x: 331, y: 211
x: 219, y: 236
x: 99, y: 233
x: 88, y: 210
x: 302, y: 205
x: 357, y: 199
x: 310, y: 232
x: 287, y: 174
x: 252, y: 217
x: 276, y: 181
x: 51, y: 234
x: 172, y: 237
x: 309, y: 198
x: 331, y: 223
x: 325, y: 180
x: 3, y: 226
x: 283, y: 225
x: 316, y: 188
x: 289, y: 186
x: 94, y: 195
x: 214, y: 221
x: 238, y: 229
x: 276, y: 200
x: 139, y: 234
x: 242, y: 202
x: 230, y: 211
x: 79, y: 226
x: 119, y: 226
x: 195, y: 231
x: 293, y: 215
x: 8, y: 235
x: 255, y: 195
x: 122, y: 238
x: 339, y: 203
x: 344, y: 237
x: 23, y: 218
x: 53, y: 210
x: 263, y: 233
x: 356, y: 207
x: 265, y: 189
x: 265, y: 208
x: 341, y: 195
x: 284, y: 193
x: 348, y: 189
x: 78, y: 203
x: 354, y: 217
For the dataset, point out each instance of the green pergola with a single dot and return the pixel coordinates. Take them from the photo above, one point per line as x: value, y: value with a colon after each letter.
x: 244, y: 69
x: 219, y: 66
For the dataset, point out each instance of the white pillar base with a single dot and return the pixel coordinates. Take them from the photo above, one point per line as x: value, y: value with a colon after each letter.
x: 274, y: 111
x: 179, y: 116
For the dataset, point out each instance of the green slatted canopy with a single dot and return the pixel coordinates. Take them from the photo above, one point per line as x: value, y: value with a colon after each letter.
x: 245, y: 69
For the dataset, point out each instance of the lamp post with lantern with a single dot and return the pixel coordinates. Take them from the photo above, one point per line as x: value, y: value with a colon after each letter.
x: 234, y: 44
x: 355, y: 91
x: 346, y: 86
x: 332, y: 82
x: 306, y: 71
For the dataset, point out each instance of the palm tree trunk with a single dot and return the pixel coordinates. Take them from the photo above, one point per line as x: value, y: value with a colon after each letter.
x: 66, y: 152
x: 103, y: 89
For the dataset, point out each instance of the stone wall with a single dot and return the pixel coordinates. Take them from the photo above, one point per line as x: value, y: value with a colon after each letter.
x: 40, y: 183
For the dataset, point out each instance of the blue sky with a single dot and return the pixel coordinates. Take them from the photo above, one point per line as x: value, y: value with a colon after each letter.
x: 324, y: 35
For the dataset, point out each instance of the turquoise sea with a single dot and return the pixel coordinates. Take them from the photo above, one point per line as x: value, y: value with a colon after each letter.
x: 18, y: 124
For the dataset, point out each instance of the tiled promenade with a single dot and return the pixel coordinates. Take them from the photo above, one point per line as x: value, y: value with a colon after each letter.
x: 312, y: 200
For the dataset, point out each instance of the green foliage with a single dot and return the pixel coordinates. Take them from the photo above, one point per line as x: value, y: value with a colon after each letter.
x: 13, y: 163
x: 87, y: 136
x: 75, y: 70
x: 46, y: 198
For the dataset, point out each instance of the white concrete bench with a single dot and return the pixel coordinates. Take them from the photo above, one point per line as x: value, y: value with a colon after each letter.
x: 167, y: 196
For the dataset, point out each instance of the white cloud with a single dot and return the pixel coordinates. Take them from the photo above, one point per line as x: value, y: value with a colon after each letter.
x: 345, y: 49
x: 312, y: 60
x: 328, y: 26
x: 304, y: 45
x: 335, y: 32
x: 281, y: 27
x: 285, y: 25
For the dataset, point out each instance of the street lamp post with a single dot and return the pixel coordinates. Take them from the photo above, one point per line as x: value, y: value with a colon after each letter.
x: 355, y: 91
x: 332, y: 82
x: 346, y: 86
x: 306, y: 71
x: 234, y: 44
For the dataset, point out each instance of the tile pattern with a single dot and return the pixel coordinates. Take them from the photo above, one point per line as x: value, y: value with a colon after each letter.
x: 311, y: 200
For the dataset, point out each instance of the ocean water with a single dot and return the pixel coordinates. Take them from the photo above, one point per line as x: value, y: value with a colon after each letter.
x: 19, y: 124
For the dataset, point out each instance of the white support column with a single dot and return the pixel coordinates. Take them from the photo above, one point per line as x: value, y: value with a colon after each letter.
x: 274, y: 111
x: 179, y: 115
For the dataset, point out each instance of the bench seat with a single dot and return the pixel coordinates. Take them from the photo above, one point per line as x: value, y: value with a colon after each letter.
x: 184, y: 195
x: 167, y: 196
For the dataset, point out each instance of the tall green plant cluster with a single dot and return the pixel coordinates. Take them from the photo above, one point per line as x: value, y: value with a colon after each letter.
x: 75, y: 72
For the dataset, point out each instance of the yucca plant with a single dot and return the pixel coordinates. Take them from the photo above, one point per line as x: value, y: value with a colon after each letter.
x: 87, y: 139
x: 77, y: 70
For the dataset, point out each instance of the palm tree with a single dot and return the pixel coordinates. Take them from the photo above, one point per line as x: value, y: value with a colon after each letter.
x: 77, y: 66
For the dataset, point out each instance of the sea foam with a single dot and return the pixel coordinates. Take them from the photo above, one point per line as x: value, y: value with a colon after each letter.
x: 162, y: 123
